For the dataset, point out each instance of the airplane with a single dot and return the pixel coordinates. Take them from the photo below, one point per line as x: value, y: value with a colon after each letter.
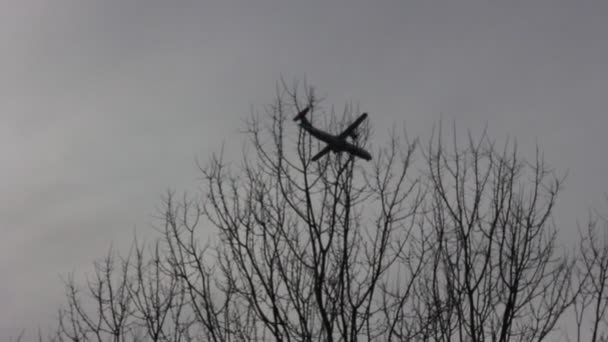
x: 336, y: 143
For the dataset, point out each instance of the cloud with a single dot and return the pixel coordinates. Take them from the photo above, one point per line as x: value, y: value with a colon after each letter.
x: 106, y: 104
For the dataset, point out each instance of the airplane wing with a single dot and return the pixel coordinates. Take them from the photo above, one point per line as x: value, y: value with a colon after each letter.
x: 350, y: 129
x: 321, y: 153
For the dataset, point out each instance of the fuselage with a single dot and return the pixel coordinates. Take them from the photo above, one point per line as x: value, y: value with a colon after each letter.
x: 336, y: 143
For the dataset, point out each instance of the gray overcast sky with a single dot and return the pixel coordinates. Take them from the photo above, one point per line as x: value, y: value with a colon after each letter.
x: 105, y: 104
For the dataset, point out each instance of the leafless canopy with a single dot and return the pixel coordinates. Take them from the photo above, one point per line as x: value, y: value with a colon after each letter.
x: 461, y: 247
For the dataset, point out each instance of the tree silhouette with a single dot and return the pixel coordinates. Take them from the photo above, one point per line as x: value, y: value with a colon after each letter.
x: 454, y: 245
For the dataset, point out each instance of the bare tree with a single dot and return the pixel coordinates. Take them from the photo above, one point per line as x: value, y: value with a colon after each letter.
x: 461, y: 249
x: 306, y: 248
x: 138, y: 298
x: 109, y: 291
x: 496, y: 272
x: 591, y: 307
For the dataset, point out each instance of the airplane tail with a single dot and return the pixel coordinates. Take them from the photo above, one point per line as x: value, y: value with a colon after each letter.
x: 301, y: 114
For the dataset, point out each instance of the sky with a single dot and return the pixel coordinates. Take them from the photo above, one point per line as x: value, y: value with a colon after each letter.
x: 106, y: 104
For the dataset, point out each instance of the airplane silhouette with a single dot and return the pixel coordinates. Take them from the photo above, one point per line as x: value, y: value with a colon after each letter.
x: 336, y: 143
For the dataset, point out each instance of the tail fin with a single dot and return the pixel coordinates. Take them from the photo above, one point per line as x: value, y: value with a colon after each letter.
x: 301, y: 114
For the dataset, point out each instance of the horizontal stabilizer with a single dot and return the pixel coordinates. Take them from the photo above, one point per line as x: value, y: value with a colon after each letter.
x: 301, y: 114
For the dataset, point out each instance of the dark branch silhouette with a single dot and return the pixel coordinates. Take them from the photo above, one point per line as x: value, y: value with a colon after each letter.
x: 459, y: 247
